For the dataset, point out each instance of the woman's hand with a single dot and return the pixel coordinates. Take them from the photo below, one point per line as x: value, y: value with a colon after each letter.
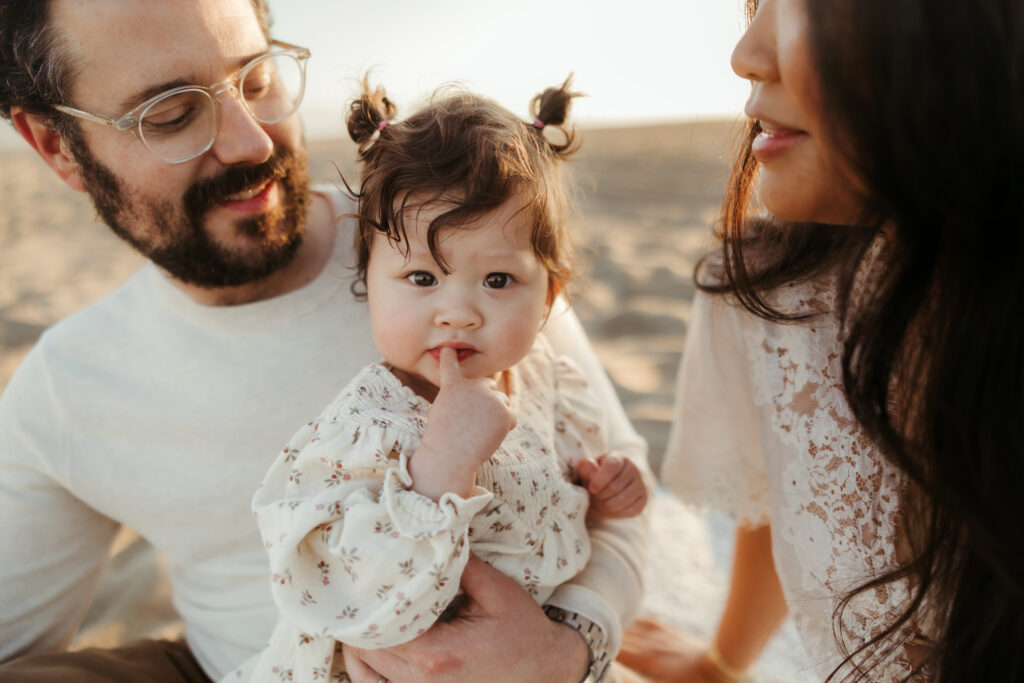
x: 662, y: 654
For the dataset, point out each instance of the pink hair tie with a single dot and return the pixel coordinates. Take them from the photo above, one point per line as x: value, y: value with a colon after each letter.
x: 383, y: 124
x: 537, y: 123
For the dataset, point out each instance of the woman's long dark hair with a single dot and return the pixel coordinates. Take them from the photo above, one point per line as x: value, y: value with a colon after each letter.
x: 925, y: 100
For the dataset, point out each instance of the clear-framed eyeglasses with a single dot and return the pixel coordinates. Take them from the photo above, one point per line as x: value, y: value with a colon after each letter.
x: 181, y: 124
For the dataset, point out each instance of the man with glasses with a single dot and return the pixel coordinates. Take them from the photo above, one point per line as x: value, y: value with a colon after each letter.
x: 162, y: 406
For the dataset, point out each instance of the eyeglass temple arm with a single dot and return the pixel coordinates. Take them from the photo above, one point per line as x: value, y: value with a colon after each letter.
x: 304, y: 51
x: 118, y: 124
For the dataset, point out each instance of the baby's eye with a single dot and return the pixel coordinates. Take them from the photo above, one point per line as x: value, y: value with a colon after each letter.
x: 421, y: 278
x: 498, y: 280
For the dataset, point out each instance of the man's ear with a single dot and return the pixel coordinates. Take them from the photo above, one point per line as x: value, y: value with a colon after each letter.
x: 49, y: 145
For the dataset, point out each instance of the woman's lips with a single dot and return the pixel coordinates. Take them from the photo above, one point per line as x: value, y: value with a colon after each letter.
x: 775, y: 140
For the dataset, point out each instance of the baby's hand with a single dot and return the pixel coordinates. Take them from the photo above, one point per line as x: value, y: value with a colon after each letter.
x: 468, y: 421
x: 616, y: 487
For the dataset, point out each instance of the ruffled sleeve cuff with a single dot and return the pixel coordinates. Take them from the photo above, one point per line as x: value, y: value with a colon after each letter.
x: 417, y: 516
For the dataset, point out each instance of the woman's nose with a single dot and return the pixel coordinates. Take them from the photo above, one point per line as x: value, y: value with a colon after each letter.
x: 754, y: 57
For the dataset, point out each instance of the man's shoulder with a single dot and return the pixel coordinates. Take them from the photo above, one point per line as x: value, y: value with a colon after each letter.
x: 97, y: 329
x: 115, y: 310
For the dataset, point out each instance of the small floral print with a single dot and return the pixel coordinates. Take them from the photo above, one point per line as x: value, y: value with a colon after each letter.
x: 500, y: 527
x: 325, y: 572
x: 349, y: 612
x: 348, y: 560
x: 439, y: 578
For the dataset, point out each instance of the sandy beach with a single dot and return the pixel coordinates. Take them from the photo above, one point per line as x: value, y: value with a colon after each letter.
x: 648, y: 199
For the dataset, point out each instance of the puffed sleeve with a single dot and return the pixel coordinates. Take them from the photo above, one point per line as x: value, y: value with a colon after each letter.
x: 355, y: 554
x: 714, y: 456
x: 580, y: 424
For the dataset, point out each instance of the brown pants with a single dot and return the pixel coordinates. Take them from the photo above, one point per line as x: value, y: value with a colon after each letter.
x: 149, y: 661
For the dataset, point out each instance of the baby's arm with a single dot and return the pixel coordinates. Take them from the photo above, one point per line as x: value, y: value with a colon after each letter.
x: 357, y: 555
x: 468, y: 421
x: 616, y: 487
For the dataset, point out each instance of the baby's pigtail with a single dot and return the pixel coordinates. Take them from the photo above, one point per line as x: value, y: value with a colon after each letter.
x: 369, y: 114
x: 551, y: 108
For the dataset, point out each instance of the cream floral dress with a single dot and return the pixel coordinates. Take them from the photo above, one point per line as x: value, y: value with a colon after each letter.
x: 763, y: 430
x: 358, y: 557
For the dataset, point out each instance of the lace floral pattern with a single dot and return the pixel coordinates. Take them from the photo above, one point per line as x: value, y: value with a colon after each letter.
x: 836, y: 513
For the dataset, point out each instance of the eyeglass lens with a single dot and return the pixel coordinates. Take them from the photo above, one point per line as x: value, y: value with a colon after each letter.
x: 184, y: 125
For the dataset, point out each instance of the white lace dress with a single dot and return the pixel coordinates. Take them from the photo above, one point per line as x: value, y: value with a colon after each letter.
x: 762, y: 430
x: 359, y: 557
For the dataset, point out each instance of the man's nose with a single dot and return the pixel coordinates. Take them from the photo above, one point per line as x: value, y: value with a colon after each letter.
x: 241, y: 139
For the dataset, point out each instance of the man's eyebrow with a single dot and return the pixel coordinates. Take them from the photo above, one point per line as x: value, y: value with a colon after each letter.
x: 137, y: 98
x: 141, y: 96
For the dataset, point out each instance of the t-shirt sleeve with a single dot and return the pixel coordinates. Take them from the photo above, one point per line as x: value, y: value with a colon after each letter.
x: 714, y: 456
x: 53, y: 547
x: 609, y: 589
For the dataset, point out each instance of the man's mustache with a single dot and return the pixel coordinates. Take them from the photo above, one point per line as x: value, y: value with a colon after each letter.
x: 209, y: 192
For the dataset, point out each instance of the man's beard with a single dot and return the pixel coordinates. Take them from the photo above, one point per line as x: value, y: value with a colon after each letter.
x: 175, y: 238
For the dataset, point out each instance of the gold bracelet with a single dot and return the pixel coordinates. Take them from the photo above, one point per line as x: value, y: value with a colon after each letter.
x: 725, y: 668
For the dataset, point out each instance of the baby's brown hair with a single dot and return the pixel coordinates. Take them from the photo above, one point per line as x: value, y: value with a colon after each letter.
x: 467, y: 151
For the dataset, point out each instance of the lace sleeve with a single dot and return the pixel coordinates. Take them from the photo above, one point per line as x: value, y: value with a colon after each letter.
x: 714, y: 455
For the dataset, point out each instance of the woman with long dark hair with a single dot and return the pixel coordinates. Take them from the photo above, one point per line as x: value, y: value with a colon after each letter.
x: 853, y: 385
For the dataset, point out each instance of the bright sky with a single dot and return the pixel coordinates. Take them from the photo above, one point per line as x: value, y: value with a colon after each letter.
x: 637, y: 60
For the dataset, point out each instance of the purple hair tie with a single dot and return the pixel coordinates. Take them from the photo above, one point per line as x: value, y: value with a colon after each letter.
x: 383, y: 124
x: 537, y: 123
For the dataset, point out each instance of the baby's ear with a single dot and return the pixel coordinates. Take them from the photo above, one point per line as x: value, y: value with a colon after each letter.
x: 49, y: 145
x: 555, y: 287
